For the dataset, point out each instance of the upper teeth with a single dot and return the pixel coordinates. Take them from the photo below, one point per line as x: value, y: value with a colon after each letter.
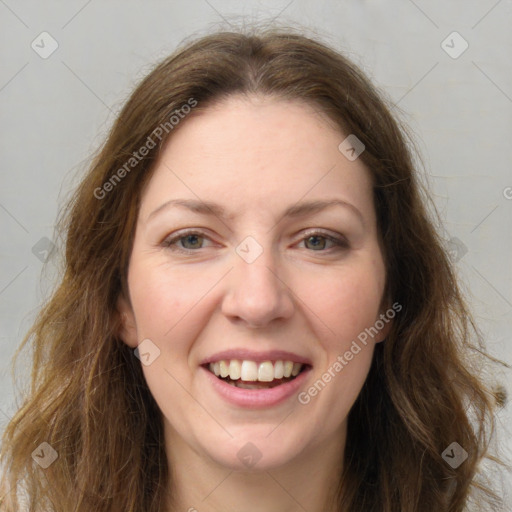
x: 266, y: 371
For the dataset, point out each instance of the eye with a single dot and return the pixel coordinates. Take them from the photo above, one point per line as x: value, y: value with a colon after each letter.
x: 185, y: 241
x: 191, y: 241
x: 318, y: 240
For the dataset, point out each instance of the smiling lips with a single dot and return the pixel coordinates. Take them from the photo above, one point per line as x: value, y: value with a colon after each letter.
x: 256, y: 380
x: 254, y: 370
x: 234, y: 370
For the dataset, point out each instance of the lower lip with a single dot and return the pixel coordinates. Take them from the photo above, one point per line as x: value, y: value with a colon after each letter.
x: 256, y: 398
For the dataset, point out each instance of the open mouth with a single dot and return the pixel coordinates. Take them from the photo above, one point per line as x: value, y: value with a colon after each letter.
x: 256, y: 375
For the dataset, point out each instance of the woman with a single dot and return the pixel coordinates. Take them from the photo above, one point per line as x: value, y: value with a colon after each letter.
x: 256, y: 311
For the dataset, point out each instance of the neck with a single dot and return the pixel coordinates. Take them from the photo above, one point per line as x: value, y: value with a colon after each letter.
x: 308, y: 482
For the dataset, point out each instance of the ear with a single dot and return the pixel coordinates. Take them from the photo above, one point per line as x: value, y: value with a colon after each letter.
x: 128, y: 327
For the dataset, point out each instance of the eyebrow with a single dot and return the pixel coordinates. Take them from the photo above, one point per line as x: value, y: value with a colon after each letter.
x: 214, y: 209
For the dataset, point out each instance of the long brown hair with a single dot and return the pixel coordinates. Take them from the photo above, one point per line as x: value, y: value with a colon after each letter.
x: 88, y: 398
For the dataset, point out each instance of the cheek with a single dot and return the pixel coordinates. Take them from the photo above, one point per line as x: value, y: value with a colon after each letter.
x: 346, y: 307
x: 171, y: 309
x: 344, y: 303
x: 160, y: 299
x: 168, y: 311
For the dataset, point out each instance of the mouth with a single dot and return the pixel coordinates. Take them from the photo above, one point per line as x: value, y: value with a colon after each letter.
x: 247, y: 374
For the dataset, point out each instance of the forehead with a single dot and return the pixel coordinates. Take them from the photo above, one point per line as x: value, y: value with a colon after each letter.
x: 256, y: 151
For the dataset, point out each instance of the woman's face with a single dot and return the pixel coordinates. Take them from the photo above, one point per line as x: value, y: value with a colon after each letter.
x: 256, y: 247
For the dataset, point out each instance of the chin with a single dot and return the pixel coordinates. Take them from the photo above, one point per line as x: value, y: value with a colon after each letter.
x: 254, y: 450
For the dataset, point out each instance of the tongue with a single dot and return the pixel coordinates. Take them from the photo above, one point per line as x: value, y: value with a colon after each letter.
x: 256, y: 384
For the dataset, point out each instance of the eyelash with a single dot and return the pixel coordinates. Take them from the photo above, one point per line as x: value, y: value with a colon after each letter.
x: 170, y: 243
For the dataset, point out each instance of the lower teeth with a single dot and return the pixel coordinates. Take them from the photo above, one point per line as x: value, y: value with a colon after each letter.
x: 255, y: 384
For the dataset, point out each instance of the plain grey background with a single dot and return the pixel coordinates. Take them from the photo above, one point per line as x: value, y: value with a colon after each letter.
x: 445, y: 64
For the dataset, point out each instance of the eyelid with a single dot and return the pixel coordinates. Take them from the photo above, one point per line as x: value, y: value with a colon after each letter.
x: 323, y: 232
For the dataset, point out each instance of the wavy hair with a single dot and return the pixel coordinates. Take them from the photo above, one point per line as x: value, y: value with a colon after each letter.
x: 88, y: 398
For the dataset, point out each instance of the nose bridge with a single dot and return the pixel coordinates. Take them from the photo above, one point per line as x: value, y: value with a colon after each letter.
x: 256, y: 293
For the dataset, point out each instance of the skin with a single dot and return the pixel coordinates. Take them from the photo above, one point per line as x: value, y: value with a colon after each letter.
x: 256, y: 157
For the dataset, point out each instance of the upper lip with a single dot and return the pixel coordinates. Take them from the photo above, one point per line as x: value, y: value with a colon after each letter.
x: 250, y: 355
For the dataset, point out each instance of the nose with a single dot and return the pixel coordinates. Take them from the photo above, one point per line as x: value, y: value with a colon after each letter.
x: 257, y: 293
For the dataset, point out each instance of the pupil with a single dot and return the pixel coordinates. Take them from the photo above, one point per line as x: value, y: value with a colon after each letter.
x: 188, y: 239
